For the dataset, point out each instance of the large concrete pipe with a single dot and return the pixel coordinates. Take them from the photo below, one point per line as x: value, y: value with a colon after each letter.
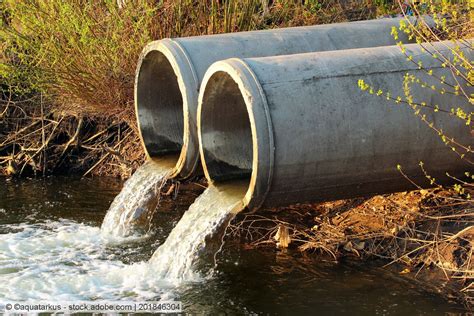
x: 298, y: 128
x: 169, y: 73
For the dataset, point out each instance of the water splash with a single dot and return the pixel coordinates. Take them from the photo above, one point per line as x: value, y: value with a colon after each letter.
x: 65, y: 260
x: 175, y: 259
x: 132, y: 209
x: 70, y: 261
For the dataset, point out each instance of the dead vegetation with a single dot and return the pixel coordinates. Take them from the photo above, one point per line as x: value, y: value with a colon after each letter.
x: 37, y: 141
x: 423, y: 230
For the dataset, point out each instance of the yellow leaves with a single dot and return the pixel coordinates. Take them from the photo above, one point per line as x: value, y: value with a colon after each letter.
x: 394, y: 32
x: 362, y: 85
x: 403, y: 25
x: 459, y: 189
x: 444, y: 139
x: 470, y: 75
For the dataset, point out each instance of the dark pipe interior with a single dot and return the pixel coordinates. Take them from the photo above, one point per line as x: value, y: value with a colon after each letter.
x: 159, y: 106
x: 225, y: 130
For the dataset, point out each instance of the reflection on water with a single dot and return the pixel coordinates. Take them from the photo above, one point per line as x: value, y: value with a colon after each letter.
x: 51, y: 248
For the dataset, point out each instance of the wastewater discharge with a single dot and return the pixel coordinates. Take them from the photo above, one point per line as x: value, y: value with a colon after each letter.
x: 206, y: 217
x: 132, y: 209
x: 69, y: 261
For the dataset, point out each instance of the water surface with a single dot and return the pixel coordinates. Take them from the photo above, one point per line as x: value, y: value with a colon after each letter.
x: 51, y: 248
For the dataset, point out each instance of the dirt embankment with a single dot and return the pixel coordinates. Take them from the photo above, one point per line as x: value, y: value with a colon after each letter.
x: 427, y: 234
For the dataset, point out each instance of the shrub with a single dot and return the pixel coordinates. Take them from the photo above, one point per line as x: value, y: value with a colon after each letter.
x: 61, y: 58
x: 82, y: 54
x: 454, y: 224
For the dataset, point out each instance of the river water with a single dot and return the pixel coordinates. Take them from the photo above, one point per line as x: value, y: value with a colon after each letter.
x: 52, y: 248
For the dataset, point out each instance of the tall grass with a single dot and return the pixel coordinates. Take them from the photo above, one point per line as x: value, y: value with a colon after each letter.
x: 82, y: 54
x: 67, y: 70
x: 79, y: 53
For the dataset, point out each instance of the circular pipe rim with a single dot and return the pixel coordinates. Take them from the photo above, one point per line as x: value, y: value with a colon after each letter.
x: 261, y: 128
x: 188, y: 86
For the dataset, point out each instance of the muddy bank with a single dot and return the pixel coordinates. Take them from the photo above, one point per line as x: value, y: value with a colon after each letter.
x: 428, y: 235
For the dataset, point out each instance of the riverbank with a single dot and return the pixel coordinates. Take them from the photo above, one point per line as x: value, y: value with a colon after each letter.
x: 427, y: 234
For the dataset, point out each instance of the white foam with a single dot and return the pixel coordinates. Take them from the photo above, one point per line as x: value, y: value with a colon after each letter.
x: 66, y: 260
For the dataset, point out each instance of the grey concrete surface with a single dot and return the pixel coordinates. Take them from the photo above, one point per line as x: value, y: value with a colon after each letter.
x: 299, y: 128
x: 170, y: 71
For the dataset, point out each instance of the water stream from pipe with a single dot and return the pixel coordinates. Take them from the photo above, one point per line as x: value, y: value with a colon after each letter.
x: 132, y: 210
x: 194, y: 234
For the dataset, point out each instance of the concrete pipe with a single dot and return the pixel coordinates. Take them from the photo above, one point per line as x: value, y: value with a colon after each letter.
x: 298, y: 128
x: 170, y: 71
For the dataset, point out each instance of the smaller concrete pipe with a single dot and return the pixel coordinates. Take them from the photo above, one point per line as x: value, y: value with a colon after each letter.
x: 299, y: 129
x: 169, y: 73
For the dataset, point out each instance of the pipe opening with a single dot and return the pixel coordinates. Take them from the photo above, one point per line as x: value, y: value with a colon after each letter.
x: 226, y: 133
x: 159, y: 106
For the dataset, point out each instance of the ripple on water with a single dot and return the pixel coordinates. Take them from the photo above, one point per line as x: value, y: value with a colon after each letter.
x: 67, y: 260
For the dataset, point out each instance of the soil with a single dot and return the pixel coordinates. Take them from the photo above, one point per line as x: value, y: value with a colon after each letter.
x: 427, y: 234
